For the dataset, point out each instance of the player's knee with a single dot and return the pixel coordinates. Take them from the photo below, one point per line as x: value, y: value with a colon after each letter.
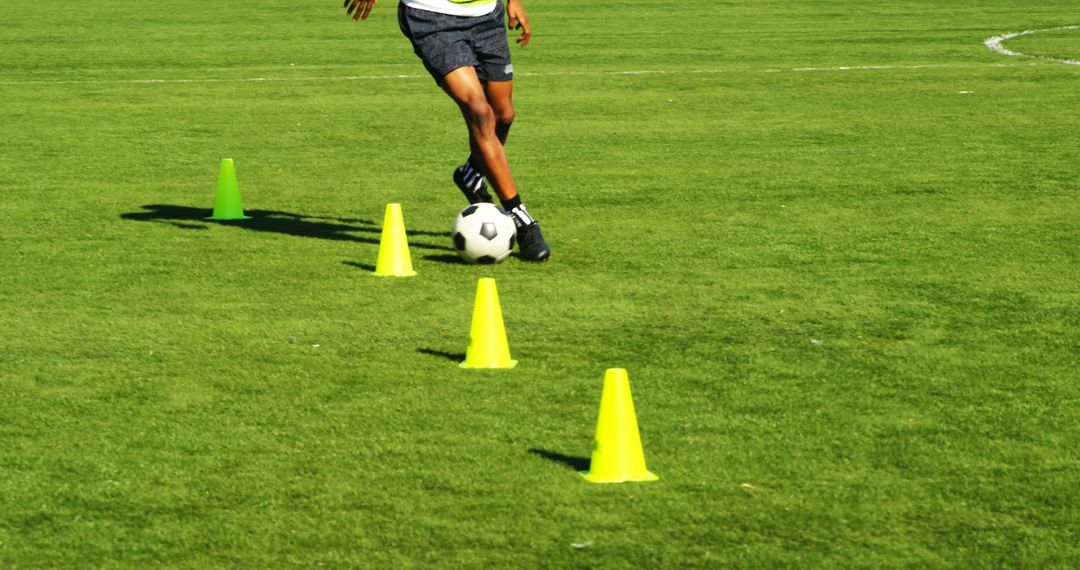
x: 480, y: 113
x: 505, y: 116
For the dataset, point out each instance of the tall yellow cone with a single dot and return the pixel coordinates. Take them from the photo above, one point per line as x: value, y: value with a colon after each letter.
x: 487, y: 336
x: 617, y: 455
x: 394, y: 258
x: 227, y: 205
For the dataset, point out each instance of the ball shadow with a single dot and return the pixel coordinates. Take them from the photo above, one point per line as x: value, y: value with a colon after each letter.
x: 447, y: 259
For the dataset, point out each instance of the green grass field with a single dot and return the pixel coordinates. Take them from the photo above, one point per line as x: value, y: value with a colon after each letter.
x: 834, y: 243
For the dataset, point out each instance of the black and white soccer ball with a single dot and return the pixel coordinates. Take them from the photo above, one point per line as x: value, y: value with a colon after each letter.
x: 484, y: 233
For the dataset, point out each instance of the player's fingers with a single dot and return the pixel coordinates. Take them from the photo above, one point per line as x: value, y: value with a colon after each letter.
x: 526, y: 33
x: 367, y: 9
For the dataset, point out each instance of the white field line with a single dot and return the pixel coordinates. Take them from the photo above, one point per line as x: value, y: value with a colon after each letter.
x: 995, y: 42
x: 520, y: 74
x: 204, y: 80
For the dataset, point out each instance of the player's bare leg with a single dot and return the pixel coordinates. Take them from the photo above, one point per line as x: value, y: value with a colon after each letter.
x: 469, y: 176
x: 500, y: 97
x: 466, y: 89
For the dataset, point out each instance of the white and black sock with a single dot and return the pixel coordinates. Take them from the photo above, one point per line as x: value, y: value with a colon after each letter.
x: 474, y: 180
x: 518, y: 213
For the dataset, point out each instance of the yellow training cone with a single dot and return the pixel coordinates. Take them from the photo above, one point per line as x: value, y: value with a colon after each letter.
x: 617, y: 455
x: 487, y: 337
x: 394, y: 258
x: 227, y: 204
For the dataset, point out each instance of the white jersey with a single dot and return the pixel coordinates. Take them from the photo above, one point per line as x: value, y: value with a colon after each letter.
x: 453, y: 7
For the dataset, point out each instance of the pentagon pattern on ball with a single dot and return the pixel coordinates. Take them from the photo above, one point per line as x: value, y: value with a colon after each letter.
x: 484, y: 233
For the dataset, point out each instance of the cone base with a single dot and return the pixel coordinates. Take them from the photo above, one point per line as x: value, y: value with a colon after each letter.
x: 385, y: 274
x: 642, y: 477
x: 226, y: 219
x: 498, y: 365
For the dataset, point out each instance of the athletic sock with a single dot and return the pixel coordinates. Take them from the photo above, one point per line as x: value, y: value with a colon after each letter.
x: 474, y: 180
x: 517, y: 212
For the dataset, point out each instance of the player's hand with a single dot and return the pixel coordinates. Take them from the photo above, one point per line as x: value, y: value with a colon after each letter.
x: 359, y: 9
x: 516, y: 19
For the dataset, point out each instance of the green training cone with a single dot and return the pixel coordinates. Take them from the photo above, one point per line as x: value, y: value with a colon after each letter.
x: 227, y: 204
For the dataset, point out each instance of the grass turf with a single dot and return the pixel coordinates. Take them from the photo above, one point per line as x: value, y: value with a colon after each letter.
x: 847, y: 298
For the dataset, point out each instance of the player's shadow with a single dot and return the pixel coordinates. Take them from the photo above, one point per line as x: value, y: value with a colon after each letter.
x: 301, y: 225
x: 572, y: 461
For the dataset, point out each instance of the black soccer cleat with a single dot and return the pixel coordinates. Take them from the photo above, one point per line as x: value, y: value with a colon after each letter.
x: 472, y: 184
x: 531, y: 244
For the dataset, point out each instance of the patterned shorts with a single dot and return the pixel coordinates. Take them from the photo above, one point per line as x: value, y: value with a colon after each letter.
x: 445, y: 43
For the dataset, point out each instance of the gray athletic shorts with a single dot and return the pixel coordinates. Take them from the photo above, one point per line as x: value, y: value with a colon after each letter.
x: 445, y: 43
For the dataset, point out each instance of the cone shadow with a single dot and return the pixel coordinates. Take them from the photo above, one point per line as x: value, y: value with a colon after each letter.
x: 452, y: 356
x: 365, y: 266
x: 572, y: 461
x: 276, y: 221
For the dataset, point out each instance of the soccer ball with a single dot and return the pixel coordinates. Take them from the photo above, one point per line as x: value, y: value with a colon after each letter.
x: 483, y: 233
